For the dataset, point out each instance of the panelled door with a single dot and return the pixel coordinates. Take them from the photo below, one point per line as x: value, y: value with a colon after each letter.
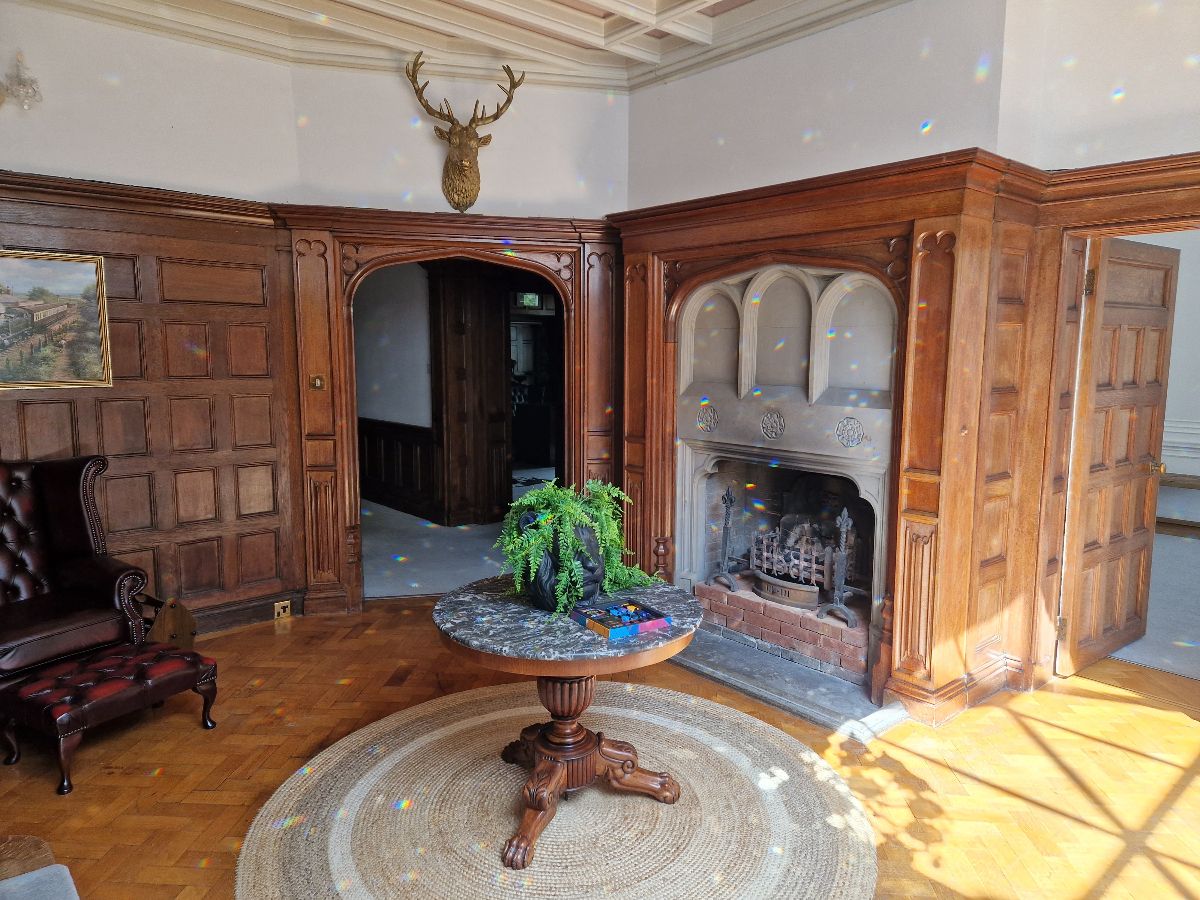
x: 1121, y: 390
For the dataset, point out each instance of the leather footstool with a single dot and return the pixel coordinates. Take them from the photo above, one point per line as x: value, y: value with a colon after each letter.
x: 65, y: 699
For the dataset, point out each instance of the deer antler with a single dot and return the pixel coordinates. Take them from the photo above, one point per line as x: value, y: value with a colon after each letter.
x: 445, y: 114
x: 513, y: 84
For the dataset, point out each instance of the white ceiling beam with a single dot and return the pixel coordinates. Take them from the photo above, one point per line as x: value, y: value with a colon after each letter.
x: 564, y: 22
x: 386, y: 22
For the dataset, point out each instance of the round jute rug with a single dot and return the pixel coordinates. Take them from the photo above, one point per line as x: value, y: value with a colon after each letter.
x: 420, y: 804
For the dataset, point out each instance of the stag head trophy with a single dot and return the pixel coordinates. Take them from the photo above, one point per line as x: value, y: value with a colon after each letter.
x: 460, y: 174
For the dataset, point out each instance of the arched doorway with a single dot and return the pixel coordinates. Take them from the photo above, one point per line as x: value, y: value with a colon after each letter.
x: 459, y: 371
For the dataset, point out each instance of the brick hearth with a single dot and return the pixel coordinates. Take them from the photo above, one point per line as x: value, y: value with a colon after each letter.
x: 794, y: 633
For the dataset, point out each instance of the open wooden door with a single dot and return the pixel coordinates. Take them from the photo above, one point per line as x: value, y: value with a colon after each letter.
x: 1112, y: 489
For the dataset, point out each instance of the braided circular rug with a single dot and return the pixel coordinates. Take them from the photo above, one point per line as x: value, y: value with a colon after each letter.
x: 420, y: 804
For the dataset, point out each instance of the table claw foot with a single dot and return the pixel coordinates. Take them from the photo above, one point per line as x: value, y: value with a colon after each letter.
x: 541, y: 794
x: 618, y: 762
x: 520, y: 752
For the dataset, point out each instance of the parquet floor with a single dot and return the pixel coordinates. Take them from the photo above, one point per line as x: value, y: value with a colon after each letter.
x: 1087, y: 788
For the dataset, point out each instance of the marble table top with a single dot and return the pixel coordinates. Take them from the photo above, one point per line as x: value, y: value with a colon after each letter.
x: 491, y: 617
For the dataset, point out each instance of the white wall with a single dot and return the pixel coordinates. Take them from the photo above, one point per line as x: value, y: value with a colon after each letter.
x: 126, y: 106
x: 120, y: 105
x: 856, y: 95
x: 1181, y: 431
x: 367, y: 142
x: 391, y: 346
x: 1096, y: 81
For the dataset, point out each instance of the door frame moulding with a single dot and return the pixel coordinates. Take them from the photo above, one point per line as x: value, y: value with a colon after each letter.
x: 335, y: 249
x: 1118, y: 206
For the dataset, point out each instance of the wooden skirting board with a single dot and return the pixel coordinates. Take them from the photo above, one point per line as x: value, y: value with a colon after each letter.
x: 1177, y: 527
x: 1179, y: 480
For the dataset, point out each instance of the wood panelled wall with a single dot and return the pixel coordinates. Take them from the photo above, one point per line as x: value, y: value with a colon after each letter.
x: 985, y: 258
x: 202, y: 486
x: 232, y: 426
x: 398, y: 466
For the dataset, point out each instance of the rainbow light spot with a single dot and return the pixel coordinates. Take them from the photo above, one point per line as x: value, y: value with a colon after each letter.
x: 758, y: 505
x: 982, y: 68
x: 402, y: 804
x: 1192, y: 61
x: 400, y: 559
x: 301, y: 121
x: 773, y: 464
x: 1069, y: 62
x: 343, y: 682
x: 756, y: 299
x: 1118, y: 94
x: 926, y: 126
x: 704, y: 401
x: 155, y: 773
x: 780, y: 343
x: 289, y: 822
x: 750, y: 485
x: 204, y: 863
x: 304, y: 770
x: 757, y: 392
x: 1186, y: 643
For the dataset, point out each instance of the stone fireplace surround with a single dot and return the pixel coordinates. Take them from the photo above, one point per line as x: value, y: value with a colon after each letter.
x: 784, y: 368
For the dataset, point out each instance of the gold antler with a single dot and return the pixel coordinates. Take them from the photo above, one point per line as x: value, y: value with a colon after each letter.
x: 446, y: 114
x: 513, y: 84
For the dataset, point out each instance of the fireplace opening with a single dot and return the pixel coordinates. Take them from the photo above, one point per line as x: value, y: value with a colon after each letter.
x: 790, y: 557
x: 784, y: 418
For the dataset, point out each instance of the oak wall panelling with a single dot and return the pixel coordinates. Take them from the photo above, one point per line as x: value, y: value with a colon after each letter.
x: 186, y: 277
x: 927, y: 229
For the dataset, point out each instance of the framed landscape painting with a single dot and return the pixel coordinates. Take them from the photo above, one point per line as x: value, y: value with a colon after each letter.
x: 53, y: 321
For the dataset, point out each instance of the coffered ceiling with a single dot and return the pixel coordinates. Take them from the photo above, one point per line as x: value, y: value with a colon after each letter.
x: 607, y: 44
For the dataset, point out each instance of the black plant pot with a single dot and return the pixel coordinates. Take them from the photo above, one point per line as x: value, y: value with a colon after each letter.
x: 541, y: 588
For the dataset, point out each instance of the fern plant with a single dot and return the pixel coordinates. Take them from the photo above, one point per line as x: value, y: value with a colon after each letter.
x: 544, y: 521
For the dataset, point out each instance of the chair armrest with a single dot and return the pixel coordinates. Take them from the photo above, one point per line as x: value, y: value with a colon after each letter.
x: 110, y: 578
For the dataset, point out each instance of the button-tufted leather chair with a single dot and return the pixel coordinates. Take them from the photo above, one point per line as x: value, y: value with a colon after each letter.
x: 60, y: 592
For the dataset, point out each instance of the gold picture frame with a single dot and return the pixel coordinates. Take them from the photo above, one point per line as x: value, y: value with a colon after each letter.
x: 53, y: 321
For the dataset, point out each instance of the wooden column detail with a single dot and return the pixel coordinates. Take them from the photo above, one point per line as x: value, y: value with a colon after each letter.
x: 938, y: 452
x: 315, y: 281
x: 597, y: 328
x: 634, y: 408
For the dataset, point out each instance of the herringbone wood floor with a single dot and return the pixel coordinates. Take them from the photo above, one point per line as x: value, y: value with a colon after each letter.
x: 1087, y: 788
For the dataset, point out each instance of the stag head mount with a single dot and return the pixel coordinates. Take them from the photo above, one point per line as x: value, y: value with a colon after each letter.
x: 460, y: 174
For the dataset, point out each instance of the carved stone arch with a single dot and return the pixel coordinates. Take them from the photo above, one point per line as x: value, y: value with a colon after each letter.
x: 751, y: 304
x: 823, y: 309
x: 744, y: 265
x: 691, y: 307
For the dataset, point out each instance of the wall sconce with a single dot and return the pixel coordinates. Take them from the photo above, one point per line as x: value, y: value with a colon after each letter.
x: 20, y: 85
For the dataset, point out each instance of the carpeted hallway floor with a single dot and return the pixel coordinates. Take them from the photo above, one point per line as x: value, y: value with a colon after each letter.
x: 405, y: 556
x: 1172, y: 641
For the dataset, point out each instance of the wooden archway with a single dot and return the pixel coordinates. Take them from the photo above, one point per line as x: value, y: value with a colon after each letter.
x: 330, y: 260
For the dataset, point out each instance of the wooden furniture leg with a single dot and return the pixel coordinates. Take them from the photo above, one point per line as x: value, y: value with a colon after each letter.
x: 520, y: 751
x: 10, y: 741
x: 66, y: 752
x: 617, y: 761
x: 542, y: 790
x: 565, y: 757
x: 207, y: 690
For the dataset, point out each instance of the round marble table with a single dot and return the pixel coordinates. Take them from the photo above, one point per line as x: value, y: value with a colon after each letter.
x: 490, y: 624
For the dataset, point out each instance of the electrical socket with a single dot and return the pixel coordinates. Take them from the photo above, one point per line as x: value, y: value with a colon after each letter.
x: 283, y: 609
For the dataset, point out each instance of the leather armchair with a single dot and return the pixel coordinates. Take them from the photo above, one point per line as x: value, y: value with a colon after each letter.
x: 60, y: 592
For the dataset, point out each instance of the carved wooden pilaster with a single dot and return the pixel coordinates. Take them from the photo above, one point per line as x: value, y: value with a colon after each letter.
x: 634, y: 408
x: 597, y: 326
x: 937, y: 478
x: 328, y: 553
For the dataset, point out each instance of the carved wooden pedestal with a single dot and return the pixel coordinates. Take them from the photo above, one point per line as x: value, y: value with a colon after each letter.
x: 564, y: 757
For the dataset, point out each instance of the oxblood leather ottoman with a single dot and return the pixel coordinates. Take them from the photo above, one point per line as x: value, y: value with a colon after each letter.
x: 64, y: 700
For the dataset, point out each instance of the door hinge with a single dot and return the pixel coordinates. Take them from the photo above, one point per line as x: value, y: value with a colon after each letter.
x: 1089, y: 283
x: 1061, y: 632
